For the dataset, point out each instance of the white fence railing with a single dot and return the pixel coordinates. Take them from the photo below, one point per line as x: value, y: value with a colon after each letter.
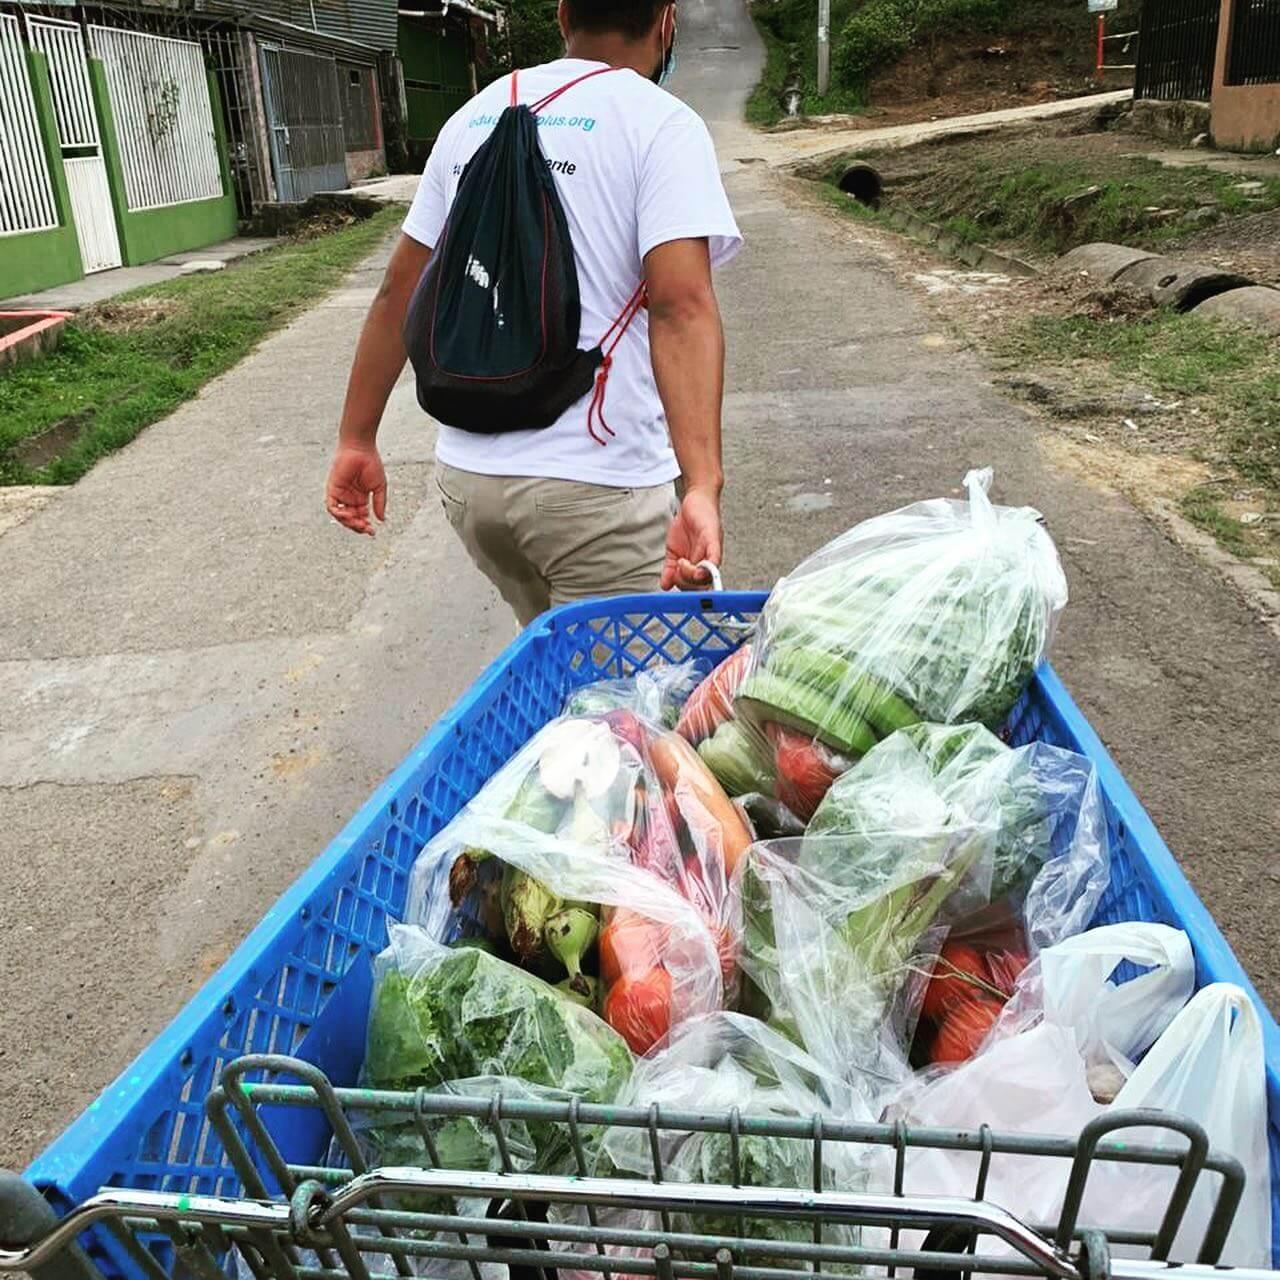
x: 63, y: 44
x: 163, y: 117
x: 26, y: 192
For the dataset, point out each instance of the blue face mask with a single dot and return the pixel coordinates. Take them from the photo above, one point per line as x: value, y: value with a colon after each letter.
x: 669, y: 64
x: 666, y: 68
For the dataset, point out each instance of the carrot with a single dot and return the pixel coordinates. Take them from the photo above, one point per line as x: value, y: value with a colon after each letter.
x: 681, y: 771
x: 711, y: 703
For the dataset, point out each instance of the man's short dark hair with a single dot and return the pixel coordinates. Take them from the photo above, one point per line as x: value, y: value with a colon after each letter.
x: 631, y: 18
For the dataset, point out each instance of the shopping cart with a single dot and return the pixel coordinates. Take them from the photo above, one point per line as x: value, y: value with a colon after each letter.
x: 304, y: 1221
x: 210, y: 1154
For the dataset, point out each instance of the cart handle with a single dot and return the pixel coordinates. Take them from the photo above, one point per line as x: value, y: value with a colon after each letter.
x: 323, y: 1207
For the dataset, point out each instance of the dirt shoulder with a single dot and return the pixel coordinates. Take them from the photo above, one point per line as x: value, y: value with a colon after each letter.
x: 1181, y: 413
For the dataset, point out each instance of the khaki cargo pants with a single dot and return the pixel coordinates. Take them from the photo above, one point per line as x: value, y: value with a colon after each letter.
x: 546, y: 542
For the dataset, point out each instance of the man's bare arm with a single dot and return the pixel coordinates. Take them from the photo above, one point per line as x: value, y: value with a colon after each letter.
x: 686, y: 342
x: 356, y: 476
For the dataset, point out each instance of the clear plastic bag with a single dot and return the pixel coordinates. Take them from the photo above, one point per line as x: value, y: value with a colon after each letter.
x: 1034, y: 815
x: 656, y: 694
x: 599, y: 856
x: 712, y: 1065
x: 936, y: 612
x: 441, y: 1013
x: 837, y: 940
x: 1038, y: 805
x: 939, y: 611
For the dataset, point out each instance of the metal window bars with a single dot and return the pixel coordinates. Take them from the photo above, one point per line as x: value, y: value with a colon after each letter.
x: 313, y: 1222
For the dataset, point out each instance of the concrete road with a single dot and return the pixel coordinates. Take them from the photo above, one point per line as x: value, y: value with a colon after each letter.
x: 200, y: 677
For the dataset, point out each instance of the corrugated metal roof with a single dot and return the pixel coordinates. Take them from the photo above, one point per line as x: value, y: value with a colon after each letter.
x: 370, y: 22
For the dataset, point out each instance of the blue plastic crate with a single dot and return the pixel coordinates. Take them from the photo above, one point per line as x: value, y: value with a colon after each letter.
x: 299, y: 984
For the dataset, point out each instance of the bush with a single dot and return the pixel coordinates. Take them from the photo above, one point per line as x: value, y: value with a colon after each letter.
x: 875, y: 36
x: 535, y: 33
x: 883, y: 30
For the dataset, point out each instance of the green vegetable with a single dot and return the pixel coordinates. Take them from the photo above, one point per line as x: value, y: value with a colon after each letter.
x: 739, y: 760
x: 865, y: 696
x: 955, y: 781
x: 787, y: 701
x: 945, y: 609
x: 570, y: 934
x: 526, y: 907
x: 451, y: 1014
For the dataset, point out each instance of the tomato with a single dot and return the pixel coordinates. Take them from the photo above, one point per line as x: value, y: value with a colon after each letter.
x: 956, y: 976
x: 964, y: 1028
x: 1004, y: 968
x: 806, y: 769
x: 638, y: 1008
x: 629, y: 944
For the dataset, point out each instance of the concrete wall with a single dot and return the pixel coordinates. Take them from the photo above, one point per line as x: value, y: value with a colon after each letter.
x: 360, y: 164
x: 40, y: 259
x: 155, y: 233
x: 1245, y: 117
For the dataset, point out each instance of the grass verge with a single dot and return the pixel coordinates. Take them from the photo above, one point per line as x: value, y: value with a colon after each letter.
x: 1222, y: 383
x: 1044, y: 197
x: 129, y: 362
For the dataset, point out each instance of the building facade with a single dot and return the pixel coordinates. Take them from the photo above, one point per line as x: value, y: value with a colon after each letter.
x: 1245, y: 105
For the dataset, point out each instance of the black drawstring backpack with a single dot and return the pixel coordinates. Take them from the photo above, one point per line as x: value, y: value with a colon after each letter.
x: 492, y: 328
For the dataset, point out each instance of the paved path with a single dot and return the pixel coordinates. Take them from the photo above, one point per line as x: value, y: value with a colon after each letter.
x: 788, y: 146
x: 200, y: 677
x: 101, y: 285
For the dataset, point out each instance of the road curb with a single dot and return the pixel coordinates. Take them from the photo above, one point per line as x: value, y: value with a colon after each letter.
x: 978, y: 256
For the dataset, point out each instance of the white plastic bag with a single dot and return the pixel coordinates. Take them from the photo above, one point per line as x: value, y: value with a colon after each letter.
x: 1072, y: 985
x: 1210, y: 1067
x: 1118, y: 1019
x: 1033, y: 1076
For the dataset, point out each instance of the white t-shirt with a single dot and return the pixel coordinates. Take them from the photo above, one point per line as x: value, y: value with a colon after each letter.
x: 635, y: 168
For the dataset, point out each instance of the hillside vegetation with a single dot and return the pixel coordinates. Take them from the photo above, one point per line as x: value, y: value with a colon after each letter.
x: 895, y: 51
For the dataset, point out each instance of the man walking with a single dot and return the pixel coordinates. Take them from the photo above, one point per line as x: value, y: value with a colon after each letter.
x: 581, y: 509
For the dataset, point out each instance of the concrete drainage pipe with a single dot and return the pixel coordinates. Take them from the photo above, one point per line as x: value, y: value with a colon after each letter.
x: 861, y: 181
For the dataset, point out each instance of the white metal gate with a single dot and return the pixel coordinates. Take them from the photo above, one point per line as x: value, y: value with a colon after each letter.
x: 163, y: 117
x: 62, y: 43
x: 26, y: 192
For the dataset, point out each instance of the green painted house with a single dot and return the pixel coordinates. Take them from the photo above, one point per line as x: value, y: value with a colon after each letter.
x: 117, y: 154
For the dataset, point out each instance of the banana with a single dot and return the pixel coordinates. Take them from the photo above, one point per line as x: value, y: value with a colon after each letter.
x: 585, y: 996
x: 570, y: 933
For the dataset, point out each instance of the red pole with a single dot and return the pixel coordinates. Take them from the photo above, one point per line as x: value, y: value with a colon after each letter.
x: 1102, y: 22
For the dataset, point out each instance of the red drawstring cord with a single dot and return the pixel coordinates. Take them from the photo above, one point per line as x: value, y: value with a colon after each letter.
x: 614, y: 334
x: 564, y: 88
